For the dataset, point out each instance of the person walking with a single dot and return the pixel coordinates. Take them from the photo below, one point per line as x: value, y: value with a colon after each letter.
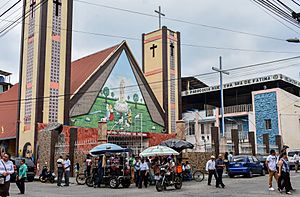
x: 296, y: 159
x: 67, y: 168
x: 137, y: 171
x: 211, y: 169
x: 271, y: 165
x: 220, y: 165
x: 230, y: 157
x: 144, y: 173
x: 100, y: 172
x: 6, y: 169
x: 60, y: 170
x: 88, y: 164
x: 22, y: 175
x: 284, y: 174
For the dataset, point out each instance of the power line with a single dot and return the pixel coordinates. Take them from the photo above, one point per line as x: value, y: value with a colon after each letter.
x: 23, y: 17
x: 10, y: 8
x: 274, y: 17
x: 183, y: 44
x: 155, y: 82
x: 182, y: 21
x: 5, y: 4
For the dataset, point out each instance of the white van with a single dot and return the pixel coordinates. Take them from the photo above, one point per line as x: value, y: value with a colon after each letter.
x: 291, y: 154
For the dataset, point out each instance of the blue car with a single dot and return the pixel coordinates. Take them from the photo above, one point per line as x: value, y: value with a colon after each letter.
x: 246, y: 165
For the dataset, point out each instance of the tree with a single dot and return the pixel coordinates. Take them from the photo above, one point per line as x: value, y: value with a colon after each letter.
x: 112, y: 94
x: 106, y: 93
x: 135, y: 99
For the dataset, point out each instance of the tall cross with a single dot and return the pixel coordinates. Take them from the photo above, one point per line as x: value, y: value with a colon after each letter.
x: 159, y: 15
x: 153, y: 49
x: 172, y: 48
x: 32, y: 7
x: 57, y: 4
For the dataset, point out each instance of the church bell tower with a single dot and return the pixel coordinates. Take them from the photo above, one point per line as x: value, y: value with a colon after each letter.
x: 44, y: 68
x: 162, y: 69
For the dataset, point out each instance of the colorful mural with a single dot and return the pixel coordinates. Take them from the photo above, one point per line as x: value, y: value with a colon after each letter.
x: 120, y: 103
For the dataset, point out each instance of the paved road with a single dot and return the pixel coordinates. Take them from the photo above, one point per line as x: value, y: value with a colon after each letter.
x: 250, y: 187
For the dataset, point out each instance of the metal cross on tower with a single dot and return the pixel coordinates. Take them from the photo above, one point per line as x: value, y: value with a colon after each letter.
x: 159, y: 15
x: 57, y: 4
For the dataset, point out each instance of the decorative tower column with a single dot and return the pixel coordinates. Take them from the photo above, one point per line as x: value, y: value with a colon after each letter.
x: 45, y: 67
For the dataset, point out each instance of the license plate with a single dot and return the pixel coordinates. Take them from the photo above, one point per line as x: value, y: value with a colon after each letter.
x: 237, y: 165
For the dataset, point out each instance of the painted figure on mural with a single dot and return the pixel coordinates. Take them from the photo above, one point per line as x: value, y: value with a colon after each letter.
x: 27, y: 151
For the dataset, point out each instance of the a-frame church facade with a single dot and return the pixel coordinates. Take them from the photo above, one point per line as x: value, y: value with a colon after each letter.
x: 116, y: 91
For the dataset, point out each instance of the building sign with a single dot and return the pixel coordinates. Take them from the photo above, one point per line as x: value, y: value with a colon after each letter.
x: 242, y: 83
x: 124, y: 133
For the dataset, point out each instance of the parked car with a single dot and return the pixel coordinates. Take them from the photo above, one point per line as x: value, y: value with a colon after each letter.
x: 30, y: 165
x: 245, y: 165
x: 263, y: 159
x: 291, y: 154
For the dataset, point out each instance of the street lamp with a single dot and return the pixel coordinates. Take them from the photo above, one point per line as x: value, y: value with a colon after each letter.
x: 294, y: 40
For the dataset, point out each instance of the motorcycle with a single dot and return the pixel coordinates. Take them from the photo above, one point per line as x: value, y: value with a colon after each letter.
x: 47, y: 176
x: 166, y: 179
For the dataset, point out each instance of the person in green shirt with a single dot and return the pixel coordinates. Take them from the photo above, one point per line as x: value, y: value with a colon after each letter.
x: 22, y: 175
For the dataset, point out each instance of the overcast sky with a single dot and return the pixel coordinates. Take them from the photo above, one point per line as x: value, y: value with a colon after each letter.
x: 240, y: 15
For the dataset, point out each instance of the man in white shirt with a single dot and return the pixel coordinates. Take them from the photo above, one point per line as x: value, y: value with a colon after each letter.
x: 211, y: 169
x: 271, y: 165
x: 67, y: 166
x: 60, y: 170
x: 6, y: 169
x: 296, y: 159
x: 144, y: 169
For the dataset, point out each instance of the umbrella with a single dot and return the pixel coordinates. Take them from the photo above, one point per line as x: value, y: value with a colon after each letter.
x: 177, y: 144
x: 158, y: 151
x: 108, y: 148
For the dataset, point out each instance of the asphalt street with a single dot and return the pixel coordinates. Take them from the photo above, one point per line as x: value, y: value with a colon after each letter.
x: 240, y: 186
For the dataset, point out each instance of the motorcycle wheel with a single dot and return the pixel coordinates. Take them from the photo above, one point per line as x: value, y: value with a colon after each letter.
x: 178, y: 182
x: 80, y: 179
x: 113, y: 182
x: 42, y: 179
x: 89, y: 182
x: 159, y: 186
x: 198, y: 176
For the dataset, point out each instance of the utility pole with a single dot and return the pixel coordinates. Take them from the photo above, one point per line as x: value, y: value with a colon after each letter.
x: 159, y: 16
x: 141, y: 131
x: 221, y: 71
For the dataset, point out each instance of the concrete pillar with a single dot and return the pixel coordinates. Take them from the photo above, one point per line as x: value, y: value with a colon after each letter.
x: 215, y: 139
x: 251, y: 138
x: 235, y: 141
x: 180, y: 130
x: 266, y: 142
x: 73, y: 139
x: 102, y: 132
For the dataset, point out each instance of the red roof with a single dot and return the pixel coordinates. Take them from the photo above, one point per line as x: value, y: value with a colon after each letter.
x: 81, y: 70
x: 8, y: 112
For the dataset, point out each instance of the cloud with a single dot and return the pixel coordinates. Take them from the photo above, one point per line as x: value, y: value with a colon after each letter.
x: 232, y: 14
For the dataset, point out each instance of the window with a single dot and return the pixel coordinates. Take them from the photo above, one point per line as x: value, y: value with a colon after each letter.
x: 240, y: 127
x: 255, y: 159
x: 250, y: 159
x: 202, y: 128
x: 268, y: 124
x: 191, y: 128
x: 212, y: 124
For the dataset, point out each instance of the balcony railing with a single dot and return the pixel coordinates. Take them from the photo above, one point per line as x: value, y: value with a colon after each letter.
x: 238, y: 108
